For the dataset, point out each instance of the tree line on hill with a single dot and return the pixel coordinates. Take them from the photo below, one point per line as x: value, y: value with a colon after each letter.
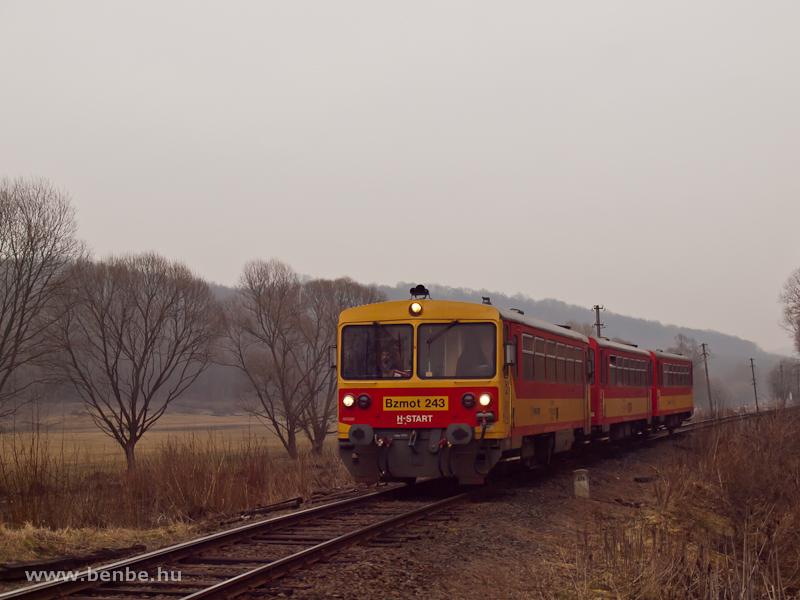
x: 129, y: 336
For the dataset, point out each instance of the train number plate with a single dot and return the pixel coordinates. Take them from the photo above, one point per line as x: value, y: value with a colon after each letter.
x: 415, y: 403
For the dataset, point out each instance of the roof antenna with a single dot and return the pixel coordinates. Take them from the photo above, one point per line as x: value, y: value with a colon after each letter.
x: 486, y: 300
x: 418, y: 291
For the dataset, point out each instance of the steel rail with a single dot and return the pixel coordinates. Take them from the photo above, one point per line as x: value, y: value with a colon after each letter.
x: 57, y: 589
x: 732, y: 419
x: 252, y: 579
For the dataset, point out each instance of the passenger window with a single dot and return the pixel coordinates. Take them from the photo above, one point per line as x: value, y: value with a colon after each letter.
x: 612, y: 370
x: 561, y: 366
x: 551, y: 361
x: 579, y: 378
x: 570, y: 364
x: 527, y: 357
x: 539, y: 372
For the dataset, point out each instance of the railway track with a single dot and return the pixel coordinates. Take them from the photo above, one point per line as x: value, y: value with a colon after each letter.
x: 229, y: 563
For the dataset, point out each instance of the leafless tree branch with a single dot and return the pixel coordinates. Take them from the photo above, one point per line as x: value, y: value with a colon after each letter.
x: 37, y: 246
x: 135, y: 333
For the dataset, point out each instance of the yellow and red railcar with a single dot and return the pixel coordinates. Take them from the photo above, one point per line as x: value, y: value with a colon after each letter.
x: 430, y: 388
x: 620, y: 389
x: 671, y: 394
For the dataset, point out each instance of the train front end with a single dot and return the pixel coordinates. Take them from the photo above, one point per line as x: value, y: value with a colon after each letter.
x: 420, y: 390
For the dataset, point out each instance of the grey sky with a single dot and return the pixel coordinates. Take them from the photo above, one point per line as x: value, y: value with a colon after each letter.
x: 645, y: 156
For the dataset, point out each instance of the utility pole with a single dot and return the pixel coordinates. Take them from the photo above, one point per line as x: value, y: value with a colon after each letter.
x: 708, y: 381
x: 782, y: 399
x: 597, y: 308
x: 753, y: 370
x: 796, y: 368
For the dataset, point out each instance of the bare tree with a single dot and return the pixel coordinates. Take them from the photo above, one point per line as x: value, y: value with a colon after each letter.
x: 266, y: 344
x: 584, y: 328
x: 37, y: 244
x: 135, y: 333
x: 688, y: 347
x: 279, y: 332
x: 323, y: 301
x: 790, y: 298
x: 781, y: 382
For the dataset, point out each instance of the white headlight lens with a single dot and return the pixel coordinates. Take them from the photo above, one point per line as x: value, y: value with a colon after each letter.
x: 348, y: 401
x: 415, y: 308
x: 485, y: 399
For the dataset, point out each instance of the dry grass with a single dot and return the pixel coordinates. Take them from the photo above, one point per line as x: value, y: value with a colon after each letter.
x: 726, y: 523
x: 45, y: 483
x: 27, y: 543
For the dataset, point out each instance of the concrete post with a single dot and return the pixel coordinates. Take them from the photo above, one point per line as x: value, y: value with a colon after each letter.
x: 581, y: 483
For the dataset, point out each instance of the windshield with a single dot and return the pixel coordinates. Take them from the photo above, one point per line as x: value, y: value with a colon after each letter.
x: 377, y: 351
x: 454, y: 349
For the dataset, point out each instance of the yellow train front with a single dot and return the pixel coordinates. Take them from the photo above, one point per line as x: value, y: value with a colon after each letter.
x: 426, y: 389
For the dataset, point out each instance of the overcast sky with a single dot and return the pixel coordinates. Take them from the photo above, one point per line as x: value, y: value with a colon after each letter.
x: 641, y: 155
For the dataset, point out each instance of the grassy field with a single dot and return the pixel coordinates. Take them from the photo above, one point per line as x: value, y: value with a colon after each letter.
x: 78, y: 434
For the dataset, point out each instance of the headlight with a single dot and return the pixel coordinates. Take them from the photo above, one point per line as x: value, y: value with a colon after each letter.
x: 485, y: 399
x: 415, y: 309
x: 348, y: 401
x: 364, y: 401
x: 468, y: 400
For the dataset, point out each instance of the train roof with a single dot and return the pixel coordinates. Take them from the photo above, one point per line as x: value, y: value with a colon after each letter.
x: 448, y: 309
x: 512, y: 315
x: 604, y: 343
x: 670, y: 356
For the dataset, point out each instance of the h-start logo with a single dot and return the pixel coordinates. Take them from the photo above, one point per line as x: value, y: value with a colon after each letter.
x: 408, y: 419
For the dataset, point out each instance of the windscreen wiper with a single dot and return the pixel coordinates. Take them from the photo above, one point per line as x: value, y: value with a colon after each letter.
x: 442, y: 332
x: 436, y: 337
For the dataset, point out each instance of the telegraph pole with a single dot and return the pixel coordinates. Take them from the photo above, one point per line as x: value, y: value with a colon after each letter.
x: 597, y: 308
x: 796, y: 368
x: 708, y: 381
x: 753, y: 370
x: 782, y: 399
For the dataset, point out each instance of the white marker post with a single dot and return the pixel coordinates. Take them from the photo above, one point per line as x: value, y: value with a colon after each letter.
x: 581, y: 483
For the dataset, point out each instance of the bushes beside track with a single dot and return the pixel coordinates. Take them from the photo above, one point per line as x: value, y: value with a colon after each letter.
x: 725, y: 524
